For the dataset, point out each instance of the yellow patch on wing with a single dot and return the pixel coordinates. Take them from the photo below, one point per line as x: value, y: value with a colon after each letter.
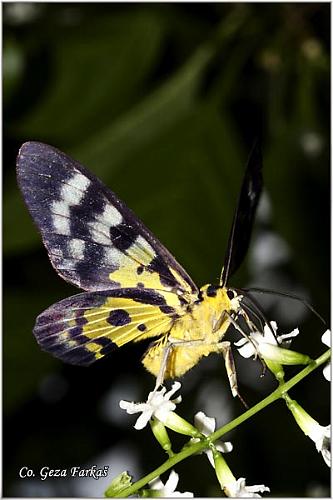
x: 123, y: 320
x: 140, y: 266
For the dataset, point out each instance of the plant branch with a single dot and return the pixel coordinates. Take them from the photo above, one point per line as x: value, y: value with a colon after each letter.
x: 203, y: 444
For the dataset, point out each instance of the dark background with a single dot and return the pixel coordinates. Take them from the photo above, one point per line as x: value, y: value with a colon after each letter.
x: 163, y: 103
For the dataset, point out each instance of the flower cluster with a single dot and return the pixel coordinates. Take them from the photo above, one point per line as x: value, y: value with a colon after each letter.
x: 159, y: 412
x: 160, y: 406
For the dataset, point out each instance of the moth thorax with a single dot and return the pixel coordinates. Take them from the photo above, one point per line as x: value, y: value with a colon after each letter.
x: 220, y: 298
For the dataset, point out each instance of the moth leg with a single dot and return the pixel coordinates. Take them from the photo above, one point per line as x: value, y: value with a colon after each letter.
x: 166, y: 354
x: 225, y: 349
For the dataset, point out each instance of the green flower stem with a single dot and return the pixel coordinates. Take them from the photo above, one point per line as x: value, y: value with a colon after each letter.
x: 204, y: 443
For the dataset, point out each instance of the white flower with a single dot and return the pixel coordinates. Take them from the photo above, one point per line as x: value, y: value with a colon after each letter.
x: 321, y: 436
x: 169, y: 488
x: 206, y: 425
x: 270, y: 348
x: 246, y: 348
x: 231, y: 486
x: 326, y: 339
x: 238, y: 489
x: 158, y: 405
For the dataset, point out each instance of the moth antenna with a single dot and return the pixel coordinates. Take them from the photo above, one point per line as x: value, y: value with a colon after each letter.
x: 288, y: 295
x: 255, y: 314
x: 258, y: 310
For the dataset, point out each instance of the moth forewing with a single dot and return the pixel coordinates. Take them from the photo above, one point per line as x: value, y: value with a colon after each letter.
x: 241, y: 229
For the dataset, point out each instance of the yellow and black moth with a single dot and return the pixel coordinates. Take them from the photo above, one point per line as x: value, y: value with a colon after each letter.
x: 135, y: 289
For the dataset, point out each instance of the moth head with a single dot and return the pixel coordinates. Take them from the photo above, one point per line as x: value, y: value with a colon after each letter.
x: 220, y: 297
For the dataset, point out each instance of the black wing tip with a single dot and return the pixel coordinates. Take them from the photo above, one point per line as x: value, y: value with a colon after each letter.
x: 36, y: 147
x: 31, y: 148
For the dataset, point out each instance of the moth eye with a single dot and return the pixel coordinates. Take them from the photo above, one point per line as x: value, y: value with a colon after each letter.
x: 231, y: 294
x: 211, y: 291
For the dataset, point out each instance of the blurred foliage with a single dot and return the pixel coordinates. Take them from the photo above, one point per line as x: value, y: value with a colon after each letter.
x: 163, y: 102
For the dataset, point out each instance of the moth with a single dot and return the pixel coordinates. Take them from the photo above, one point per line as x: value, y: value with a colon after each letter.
x: 134, y: 288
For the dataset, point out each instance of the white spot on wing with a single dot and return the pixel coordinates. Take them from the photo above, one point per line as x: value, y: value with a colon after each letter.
x: 61, y: 225
x: 60, y: 208
x: 75, y: 188
x: 110, y: 216
x: 100, y: 227
x: 113, y: 256
x: 98, y: 233
x: 71, y: 194
x: 60, y: 214
x: 76, y: 248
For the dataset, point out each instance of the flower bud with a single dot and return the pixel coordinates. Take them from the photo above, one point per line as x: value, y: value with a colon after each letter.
x: 161, y: 435
x: 118, y: 484
x: 180, y: 425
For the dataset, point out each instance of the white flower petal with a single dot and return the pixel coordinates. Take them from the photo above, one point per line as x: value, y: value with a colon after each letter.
x: 142, y: 420
x: 326, y: 338
x: 238, y: 489
x: 290, y: 335
x: 175, y: 387
x: 131, y: 407
x: 247, y: 350
x: 206, y: 425
x: 224, y: 447
x: 177, y: 494
x: 172, y: 482
x: 158, y: 404
x: 210, y: 457
x: 327, y: 372
x: 321, y: 436
x: 242, y: 341
x: 169, y: 489
x: 286, y: 338
x: 268, y: 334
